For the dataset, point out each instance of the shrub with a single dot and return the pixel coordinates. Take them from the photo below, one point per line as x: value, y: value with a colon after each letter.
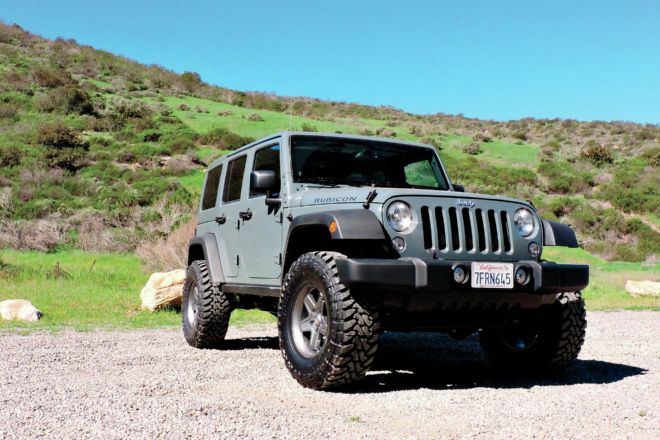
x: 191, y: 81
x: 520, y: 135
x: 67, y: 99
x: 224, y: 139
x: 65, y: 147
x: 432, y: 141
x: 256, y: 117
x: 308, y: 127
x: 183, y: 107
x: 563, y: 178
x: 596, y: 153
x: 200, y: 109
x: 51, y: 76
x: 385, y: 132
x: 473, y: 148
x: 481, y: 138
x: 225, y: 113
x: 8, y: 110
x: 9, y: 156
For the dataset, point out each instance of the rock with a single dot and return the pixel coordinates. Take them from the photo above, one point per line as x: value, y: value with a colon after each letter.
x: 643, y: 288
x: 164, y: 289
x: 20, y: 310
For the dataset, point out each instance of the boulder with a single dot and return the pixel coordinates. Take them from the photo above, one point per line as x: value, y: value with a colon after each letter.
x: 164, y: 289
x: 643, y: 288
x: 19, y: 310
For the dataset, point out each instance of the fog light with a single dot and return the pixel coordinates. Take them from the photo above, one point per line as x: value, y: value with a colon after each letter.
x: 399, y: 244
x: 522, y: 276
x: 534, y: 250
x: 460, y: 275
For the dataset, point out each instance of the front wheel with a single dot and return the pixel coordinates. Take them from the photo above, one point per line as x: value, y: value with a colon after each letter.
x: 545, y: 342
x: 328, y: 337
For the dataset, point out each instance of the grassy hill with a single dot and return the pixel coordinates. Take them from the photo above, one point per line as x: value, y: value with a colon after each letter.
x: 99, y: 153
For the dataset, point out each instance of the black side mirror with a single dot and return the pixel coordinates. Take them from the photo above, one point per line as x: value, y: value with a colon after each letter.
x: 458, y: 188
x: 265, y: 181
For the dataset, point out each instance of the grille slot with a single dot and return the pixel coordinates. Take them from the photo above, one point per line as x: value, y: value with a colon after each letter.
x: 466, y: 230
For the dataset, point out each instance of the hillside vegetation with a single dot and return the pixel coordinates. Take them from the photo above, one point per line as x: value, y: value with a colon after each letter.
x: 101, y: 153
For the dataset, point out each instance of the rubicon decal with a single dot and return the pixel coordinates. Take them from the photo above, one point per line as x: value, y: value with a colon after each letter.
x: 338, y: 199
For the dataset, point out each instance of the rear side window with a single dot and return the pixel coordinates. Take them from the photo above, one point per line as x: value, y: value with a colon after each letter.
x: 267, y: 159
x: 234, y: 179
x: 211, y: 188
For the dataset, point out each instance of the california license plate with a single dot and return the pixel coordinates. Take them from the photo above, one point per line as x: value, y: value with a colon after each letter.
x: 492, y: 276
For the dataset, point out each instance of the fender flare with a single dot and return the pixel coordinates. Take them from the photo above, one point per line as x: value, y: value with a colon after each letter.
x: 209, y: 247
x: 557, y: 234
x: 351, y: 224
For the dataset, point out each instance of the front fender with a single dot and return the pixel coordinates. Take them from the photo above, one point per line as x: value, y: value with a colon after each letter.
x: 557, y: 234
x: 351, y: 224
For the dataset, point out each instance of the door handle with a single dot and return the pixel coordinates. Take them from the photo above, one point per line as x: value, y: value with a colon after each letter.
x: 245, y: 215
x: 221, y: 219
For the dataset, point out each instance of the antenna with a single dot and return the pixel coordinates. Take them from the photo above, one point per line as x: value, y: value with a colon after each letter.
x: 290, y: 113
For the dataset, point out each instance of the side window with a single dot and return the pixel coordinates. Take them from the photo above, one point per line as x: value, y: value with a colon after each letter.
x: 211, y: 189
x: 234, y: 180
x: 267, y: 159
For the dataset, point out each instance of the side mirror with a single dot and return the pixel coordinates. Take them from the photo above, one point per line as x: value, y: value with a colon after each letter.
x: 262, y: 180
x: 265, y: 181
x: 458, y: 188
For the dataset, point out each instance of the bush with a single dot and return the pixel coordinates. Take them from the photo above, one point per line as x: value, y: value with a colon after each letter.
x: 224, y: 139
x: 51, y: 76
x: 9, y: 156
x: 8, y: 110
x: 256, y: 117
x: 596, y: 153
x: 183, y: 107
x: 473, y: 148
x: 191, y: 81
x: 65, y: 147
x: 308, y: 127
x: 67, y: 99
x: 563, y: 178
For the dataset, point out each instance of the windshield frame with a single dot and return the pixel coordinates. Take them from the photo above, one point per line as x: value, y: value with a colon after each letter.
x: 367, y: 139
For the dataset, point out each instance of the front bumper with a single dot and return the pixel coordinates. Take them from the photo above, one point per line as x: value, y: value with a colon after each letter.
x: 415, y: 275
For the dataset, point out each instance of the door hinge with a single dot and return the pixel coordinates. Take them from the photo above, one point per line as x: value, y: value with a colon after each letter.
x: 279, y: 260
x: 237, y: 260
x: 281, y: 217
x: 238, y: 224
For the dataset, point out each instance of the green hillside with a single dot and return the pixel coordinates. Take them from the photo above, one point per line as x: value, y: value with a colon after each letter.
x: 102, y: 154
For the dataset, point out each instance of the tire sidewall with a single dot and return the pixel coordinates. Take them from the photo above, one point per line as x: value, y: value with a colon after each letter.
x: 192, y: 280
x: 308, y: 273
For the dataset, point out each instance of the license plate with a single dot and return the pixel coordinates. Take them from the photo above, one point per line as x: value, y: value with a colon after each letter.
x: 492, y: 276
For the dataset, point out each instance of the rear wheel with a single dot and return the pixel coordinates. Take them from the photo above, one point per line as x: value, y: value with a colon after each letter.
x: 543, y: 342
x: 328, y: 337
x: 205, y: 309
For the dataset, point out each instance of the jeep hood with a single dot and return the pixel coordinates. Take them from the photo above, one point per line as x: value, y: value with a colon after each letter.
x: 333, y: 196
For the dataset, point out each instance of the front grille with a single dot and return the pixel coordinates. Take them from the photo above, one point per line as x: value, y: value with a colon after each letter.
x: 466, y: 230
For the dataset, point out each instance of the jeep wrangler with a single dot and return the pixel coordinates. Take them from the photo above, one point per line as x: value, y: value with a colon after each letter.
x: 342, y: 237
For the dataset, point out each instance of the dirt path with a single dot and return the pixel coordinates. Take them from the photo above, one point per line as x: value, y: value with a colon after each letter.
x: 151, y: 384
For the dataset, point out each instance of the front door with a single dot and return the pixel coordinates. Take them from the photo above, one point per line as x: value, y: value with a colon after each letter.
x: 261, y: 235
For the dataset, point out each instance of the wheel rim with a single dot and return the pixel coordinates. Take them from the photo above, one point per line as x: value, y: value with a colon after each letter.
x: 309, y: 321
x: 192, y: 306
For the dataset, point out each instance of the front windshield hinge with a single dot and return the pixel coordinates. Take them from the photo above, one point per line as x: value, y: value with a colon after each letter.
x: 370, y: 198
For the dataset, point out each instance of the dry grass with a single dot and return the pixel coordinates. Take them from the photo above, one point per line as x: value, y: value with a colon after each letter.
x: 168, y: 253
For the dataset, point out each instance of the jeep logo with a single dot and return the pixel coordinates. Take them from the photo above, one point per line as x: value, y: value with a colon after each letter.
x: 465, y: 203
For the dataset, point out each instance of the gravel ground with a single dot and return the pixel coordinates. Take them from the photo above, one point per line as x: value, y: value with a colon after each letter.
x: 151, y: 384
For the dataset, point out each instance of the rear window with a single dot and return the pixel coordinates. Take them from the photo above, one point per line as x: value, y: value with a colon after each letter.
x: 211, y: 189
x: 234, y: 180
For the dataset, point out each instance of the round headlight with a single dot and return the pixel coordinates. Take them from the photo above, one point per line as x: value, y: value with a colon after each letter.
x: 524, y: 221
x: 399, y: 216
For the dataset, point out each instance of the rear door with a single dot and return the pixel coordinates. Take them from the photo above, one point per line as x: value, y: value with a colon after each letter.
x: 261, y: 234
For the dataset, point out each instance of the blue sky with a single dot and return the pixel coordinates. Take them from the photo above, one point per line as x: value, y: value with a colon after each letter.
x: 498, y: 60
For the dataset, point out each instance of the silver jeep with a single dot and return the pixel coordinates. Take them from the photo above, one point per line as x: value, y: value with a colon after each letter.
x: 342, y: 237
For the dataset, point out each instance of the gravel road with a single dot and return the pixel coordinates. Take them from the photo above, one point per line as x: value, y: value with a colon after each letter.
x: 151, y: 384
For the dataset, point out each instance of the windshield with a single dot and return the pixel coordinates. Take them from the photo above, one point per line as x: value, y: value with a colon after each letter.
x: 337, y: 161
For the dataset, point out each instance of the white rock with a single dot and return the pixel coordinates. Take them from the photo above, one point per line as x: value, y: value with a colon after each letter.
x: 643, y: 288
x: 20, y: 310
x: 164, y: 289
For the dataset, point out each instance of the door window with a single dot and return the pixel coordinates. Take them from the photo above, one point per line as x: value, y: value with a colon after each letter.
x: 234, y: 180
x: 211, y: 189
x: 267, y: 159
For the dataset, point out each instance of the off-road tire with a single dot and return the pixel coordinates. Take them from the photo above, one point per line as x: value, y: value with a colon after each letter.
x: 561, y: 328
x: 352, y: 338
x: 210, y: 322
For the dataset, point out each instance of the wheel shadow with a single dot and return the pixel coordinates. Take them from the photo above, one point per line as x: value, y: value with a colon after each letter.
x: 408, y: 361
x: 269, y: 343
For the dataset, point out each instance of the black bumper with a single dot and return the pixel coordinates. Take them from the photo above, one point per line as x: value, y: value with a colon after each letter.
x: 415, y: 275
